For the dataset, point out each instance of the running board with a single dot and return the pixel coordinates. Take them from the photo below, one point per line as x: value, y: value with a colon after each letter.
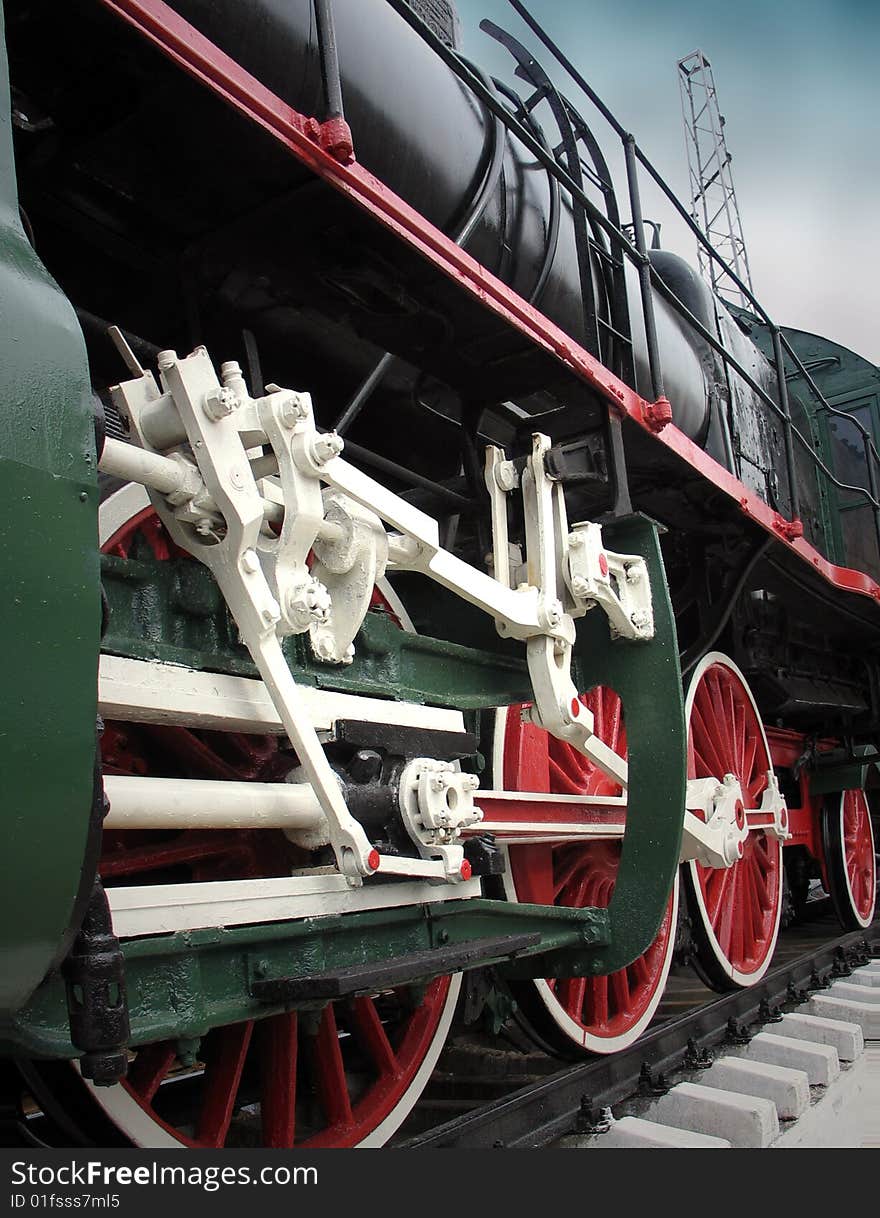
x: 148, y: 691
x: 386, y: 974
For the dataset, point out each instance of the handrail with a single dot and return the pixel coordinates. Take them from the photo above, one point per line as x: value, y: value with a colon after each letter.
x: 636, y: 252
x: 872, y: 457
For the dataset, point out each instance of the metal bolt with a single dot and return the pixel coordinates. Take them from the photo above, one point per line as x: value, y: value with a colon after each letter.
x: 634, y: 572
x: 506, y: 477
x: 580, y: 586
x: 250, y: 563
x: 326, y: 447
x: 575, y: 541
x: 640, y: 619
x: 323, y: 645
x: 229, y: 369
x: 308, y: 603
x: 552, y: 614
x: 188, y: 1050
x: 318, y: 601
x: 293, y: 409
x: 166, y: 360
x: 219, y: 403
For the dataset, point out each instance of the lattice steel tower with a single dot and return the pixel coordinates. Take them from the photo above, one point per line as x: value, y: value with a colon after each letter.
x: 713, y: 198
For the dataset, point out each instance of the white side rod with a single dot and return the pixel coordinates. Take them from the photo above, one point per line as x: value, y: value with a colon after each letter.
x: 183, y: 803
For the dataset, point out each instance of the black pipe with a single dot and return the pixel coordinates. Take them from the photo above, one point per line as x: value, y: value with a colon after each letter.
x: 474, y: 213
x: 697, y: 650
x: 468, y: 77
x: 552, y: 243
x: 329, y: 52
x: 384, y: 466
x: 531, y: 71
x: 363, y: 394
x: 635, y: 202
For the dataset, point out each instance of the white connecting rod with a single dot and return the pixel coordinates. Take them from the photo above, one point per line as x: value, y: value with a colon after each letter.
x: 182, y: 803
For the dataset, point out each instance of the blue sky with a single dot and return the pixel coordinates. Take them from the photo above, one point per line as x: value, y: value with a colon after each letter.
x: 799, y: 86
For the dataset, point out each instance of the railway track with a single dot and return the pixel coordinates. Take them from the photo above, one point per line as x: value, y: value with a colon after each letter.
x: 480, y: 1097
x: 518, y: 1097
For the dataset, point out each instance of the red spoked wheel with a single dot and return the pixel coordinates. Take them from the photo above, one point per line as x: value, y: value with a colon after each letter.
x: 850, y: 859
x: 737, y: 908
x: 347, y: 1075
x: 598, y: 1014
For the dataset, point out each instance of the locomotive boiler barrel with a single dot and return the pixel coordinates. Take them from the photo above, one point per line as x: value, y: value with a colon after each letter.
x: 420, y: 130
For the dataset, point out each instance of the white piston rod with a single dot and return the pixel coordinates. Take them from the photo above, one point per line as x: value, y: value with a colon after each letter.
x: 133, y: 464
x: 183, y: 803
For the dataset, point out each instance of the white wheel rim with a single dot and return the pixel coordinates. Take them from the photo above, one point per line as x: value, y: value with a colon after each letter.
x: 864, y: 922
x: 740, y: 978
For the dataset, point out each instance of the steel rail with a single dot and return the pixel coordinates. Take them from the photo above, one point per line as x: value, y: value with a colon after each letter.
x: 538, y: 1114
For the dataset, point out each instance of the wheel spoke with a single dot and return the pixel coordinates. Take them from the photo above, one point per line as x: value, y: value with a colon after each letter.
x: 706, y: 745
x: 571, y: 864
x: 331, y: 1081
x: 597, y: 1005
x: 150, y: 1067
x: 722, y: 917
x: 760, y: 877
x: 572, y: 994
x: 535, y: 873
x: 278, y: 1051
x: 731, y: 732
x: 562, y: 781
x: 370, y: 1033
x: 755, y: 910
x: 619, y: 987
x: 741, y: 733
x: 640, y: 970
x: 737, y: 950
x: 720, y: 713
x: 225, y: 1061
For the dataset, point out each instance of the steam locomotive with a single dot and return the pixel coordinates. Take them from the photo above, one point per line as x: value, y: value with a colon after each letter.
x: 411, y: 576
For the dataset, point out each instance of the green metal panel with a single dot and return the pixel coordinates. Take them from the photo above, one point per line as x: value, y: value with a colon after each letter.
x: 647, y: 676
x: 850, y: 383
x: 182, y: 985
x: 50, y: 607
x: 173, y: 611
